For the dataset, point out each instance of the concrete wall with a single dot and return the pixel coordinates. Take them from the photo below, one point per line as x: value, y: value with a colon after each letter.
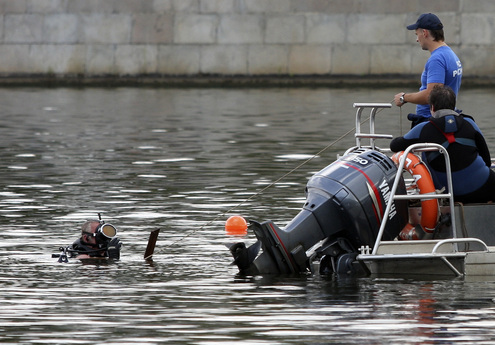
x: 88, y: 38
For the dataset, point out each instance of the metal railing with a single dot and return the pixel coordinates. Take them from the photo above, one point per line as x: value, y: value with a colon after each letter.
x: 371, y: 135
x: 393, y: 196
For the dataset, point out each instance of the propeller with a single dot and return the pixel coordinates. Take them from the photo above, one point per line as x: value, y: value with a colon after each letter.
x: 244, y: 256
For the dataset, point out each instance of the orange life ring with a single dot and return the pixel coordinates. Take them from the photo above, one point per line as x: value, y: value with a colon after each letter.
x: 429, y: 208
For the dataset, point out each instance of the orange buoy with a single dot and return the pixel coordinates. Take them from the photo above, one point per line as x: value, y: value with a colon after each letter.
x: 236, y: 225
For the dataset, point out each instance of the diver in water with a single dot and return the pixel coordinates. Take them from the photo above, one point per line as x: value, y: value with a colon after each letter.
x: 98, y: 240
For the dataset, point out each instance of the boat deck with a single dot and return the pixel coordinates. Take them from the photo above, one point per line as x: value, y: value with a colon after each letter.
x: 452, y: 254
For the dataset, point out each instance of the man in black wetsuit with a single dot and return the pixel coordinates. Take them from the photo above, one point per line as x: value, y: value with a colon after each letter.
x: 472, y: 178
x: 98, y: 240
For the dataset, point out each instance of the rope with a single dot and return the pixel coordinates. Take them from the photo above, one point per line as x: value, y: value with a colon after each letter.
x: 400, y: 121
x: 269, y: 185
x: 265, y: 188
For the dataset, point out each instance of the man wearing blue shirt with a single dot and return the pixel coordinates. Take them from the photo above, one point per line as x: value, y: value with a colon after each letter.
x: 442, y: 68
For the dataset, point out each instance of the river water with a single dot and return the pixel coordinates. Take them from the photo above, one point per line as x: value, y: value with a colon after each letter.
x: 184, y: 160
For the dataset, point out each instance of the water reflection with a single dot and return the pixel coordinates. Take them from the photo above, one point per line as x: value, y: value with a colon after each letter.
x: 179, y: 159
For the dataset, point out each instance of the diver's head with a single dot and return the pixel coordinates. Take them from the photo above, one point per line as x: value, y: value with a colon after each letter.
x: 95, y: 232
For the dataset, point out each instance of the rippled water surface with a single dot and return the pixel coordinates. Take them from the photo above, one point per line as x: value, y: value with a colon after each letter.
x: 183, y: 160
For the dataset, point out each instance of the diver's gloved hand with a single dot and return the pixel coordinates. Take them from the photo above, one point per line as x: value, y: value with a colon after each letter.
x: 114, y: 248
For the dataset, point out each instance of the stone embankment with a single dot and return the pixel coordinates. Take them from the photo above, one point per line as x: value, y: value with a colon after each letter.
x: 221, y: 42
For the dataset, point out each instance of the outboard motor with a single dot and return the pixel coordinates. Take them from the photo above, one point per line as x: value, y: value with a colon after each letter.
x: 344, y: 207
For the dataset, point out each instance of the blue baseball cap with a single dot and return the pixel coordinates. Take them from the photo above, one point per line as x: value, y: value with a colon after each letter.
x: 427, y: 21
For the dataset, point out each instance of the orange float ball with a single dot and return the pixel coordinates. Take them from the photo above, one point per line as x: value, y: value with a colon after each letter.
x: 236, y: 225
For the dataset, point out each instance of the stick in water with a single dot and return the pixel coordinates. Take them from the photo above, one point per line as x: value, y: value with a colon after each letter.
x: 150, y: 248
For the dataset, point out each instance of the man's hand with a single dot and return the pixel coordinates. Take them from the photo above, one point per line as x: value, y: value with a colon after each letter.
x: 398, y: 100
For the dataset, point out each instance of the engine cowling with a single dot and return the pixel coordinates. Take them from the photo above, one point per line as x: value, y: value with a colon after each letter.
x: 345, y: 205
